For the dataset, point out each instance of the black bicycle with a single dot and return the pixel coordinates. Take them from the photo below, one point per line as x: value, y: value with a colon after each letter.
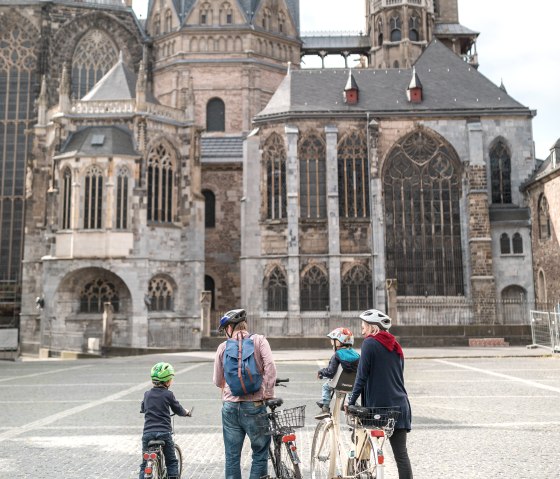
x: 280, y: 424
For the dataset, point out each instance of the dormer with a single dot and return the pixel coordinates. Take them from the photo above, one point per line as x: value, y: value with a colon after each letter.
x: 351, y: 90
x: 414, y: 90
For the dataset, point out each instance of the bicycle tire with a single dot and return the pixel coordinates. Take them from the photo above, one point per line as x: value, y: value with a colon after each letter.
x: 179, y: 455
x: 288, y: 468
x: 321, y: 454
x: 360, y: 468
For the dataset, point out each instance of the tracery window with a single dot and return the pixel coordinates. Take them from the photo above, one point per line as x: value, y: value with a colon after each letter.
x: 312, y: 177
x: 123, y: 177
x: 517, y: 243
x: 276, y: 291
x: 395, y: 24
x: 160, y: 184
x: 95, y: 55
x: 168, y: 20
x: 274, y: 157
x: 160, y: 295
x: 414, y: 28
x: 504, y: 244
x: 314, y: 290
x: 93, y: 198
x: 500, y: 168
x: 353, y: 178
x: 422, y: 189
x: 66, y: 190
x: 215, y: 115
x: 209, y: 209
x: 357, y: 289
x: 96, y: 293
x: 18, y: 80
x: 544, y: 218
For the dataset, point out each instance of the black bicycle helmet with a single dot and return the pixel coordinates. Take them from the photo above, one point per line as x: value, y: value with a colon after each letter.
x: 235, y: 316
x: 374, y: 316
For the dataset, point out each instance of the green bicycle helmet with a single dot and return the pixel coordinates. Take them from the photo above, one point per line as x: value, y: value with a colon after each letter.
x: 162, y: 372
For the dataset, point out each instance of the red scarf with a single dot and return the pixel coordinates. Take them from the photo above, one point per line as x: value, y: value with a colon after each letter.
x: 389, y: 341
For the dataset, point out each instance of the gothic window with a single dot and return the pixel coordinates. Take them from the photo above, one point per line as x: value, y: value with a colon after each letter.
x: 226, y: 14
x: 160, y: 295
x: 66, y: 199
x: 353, y: 188
x: 413, y: 28
x: 167, y: 27
x: 206, y: 14
x: 312, y: 177
x: 95, y: 55
x: 422, y: 192
x: 314, y: 290
x: 281, y: 21
x: 357, y: 289
x: 93, y: 198
x: 505, y: 244
x: 160, y: 184
x: 274, y: 157
x: 266, y: 19
x: 122, y: 198
x: 544, y: 218
x: 276, y: 291
x: 215, y: 115
x: 209, y: 209
x: 395, y: 26
x: 380, y: 32
x: 157, y: 24
x: 95, y: 294
x: 517, y: 243
x: 500, y: 167
x: 18, y: 81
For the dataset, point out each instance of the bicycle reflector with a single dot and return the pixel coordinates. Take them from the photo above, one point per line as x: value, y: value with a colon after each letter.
x: 148, y: 470
x: 289, y: 438
x: 377, y: 433
x: 380, y: 457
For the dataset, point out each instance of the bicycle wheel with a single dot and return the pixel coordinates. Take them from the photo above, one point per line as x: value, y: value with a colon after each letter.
x: 179, y: 455
x: 364, y: 464
x: 288, y: 468
x: 321, y: 453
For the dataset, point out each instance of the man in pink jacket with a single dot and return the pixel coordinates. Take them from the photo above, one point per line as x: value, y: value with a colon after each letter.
x: 239, y: 412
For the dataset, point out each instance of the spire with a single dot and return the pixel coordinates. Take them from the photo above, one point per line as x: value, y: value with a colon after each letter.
x: 502, y: 86
x: 351, y: 90
x: 414, y: 90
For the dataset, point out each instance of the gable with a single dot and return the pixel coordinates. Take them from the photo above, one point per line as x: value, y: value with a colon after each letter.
x: 276, y: 16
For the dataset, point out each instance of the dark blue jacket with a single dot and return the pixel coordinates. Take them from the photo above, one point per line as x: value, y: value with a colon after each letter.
x: 156, y: 405
x: 348, y: 357
x: 380, y: 381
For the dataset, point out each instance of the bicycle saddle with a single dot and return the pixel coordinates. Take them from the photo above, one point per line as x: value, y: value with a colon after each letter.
x: 274, y: 402
x: 358, y: 410
x: 156, y: 443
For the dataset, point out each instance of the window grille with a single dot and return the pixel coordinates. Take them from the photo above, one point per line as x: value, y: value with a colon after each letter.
x: 500, y: 167
x: 504, y: 244
x: 66, y: 199
x: 357, y: 289
x: 93, y: 198
x: 422, y: 191
x: 395, y: 25
x: 215, y: 115
x: 274, y: 157
x: 517, y: 243
x: 160, y: 293
x: 160, y: 185
x: 314, y: 290
x: 95, y: 294
x: 277, y: 291
x: 209, y: 209
x: 312, y: 175
x: 544, y: 218
x: 122, y: 198
x: 413, y: 28
x: 353, y: 178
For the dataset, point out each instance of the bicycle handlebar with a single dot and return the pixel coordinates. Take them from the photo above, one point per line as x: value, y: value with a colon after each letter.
x: 278, y: 381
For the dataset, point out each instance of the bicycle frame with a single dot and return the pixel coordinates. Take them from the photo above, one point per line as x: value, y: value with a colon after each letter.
x: 287, y: 440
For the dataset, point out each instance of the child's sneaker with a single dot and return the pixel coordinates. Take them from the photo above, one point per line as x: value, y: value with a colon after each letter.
x: 320, y: 404
x: 325, y: 412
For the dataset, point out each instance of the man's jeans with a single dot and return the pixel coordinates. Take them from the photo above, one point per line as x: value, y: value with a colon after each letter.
x: 168, y: 451
x: 238, y: 420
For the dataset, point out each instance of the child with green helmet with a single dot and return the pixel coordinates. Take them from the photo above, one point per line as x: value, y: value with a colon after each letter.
x: 156, y: 407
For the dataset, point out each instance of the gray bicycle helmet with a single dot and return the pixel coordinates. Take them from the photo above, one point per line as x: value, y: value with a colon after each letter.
x: 235, y: 316
x: 374, y: 316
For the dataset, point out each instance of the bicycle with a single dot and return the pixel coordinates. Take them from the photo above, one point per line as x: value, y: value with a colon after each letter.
x: 280, y: 424
x: 155, y: 467
x: 370, y: 429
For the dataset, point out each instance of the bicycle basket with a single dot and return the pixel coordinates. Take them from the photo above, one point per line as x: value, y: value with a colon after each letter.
x: 373, y: 417
x: 282, y: 421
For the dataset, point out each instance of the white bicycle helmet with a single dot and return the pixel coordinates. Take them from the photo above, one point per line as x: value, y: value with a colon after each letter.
x: 374, y: 316
x: 344, y: 335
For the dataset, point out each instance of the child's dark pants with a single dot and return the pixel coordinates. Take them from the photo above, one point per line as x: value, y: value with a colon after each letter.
x: 168, y: 451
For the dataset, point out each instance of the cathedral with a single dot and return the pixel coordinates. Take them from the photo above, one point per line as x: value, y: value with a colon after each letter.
x: 153, y: 170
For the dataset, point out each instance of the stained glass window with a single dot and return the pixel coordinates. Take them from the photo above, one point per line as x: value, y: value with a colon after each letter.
x: 312, y: 177
x: 353, y: 178
x: 277, y: 291
x: 314, y: 290
x: 274, y: 157
x: 500, y: 167
x: 160, y: 185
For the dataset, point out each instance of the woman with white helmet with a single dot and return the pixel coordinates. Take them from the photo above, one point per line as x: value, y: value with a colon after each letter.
x: 380, y: 381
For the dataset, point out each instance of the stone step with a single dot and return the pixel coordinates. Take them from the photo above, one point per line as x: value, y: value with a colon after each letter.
x: 487, y: 342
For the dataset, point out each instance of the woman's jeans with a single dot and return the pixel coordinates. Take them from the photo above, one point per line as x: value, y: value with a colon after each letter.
x: 398, y: 444
x: 168, y: 451
x: 239, y: 420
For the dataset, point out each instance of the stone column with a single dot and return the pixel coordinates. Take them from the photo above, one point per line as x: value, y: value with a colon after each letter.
x: 107, y: 327
x: 205, y: 303
x: 331, y: 133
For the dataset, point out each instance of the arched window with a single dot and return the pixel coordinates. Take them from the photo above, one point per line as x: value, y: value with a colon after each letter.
x: 500, y: 167
x: 66, y: 199
x: 413, y: 28
x: 314, y: 290
x: 544, y: 218
x: 95, y: 294
x: 312, y: 177
x: 215, y: 115
x: 276, y: 291
x: 353, y: 177
x: 160, y: 295
x: 517, y: 243
x: 505, y: 244
x: 209, y: 285
x: 95, y: 55
x: 396, y: 64
x: 274, y: 158
x: 160, y: 174
x: 93, y: 198
x: 357, y: 289
x: 168, y: 20
x: 541, y: 287
x: 380, y: 32
x: 209, y: 209
x: 422, y: 189
x: 281, y: 22
x: 157, y: 24
x: 206, y: 14
x: 122, y: 198
x: 395, y: 25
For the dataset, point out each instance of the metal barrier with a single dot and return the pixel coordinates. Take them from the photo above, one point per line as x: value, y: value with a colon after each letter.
x: 545, y: 330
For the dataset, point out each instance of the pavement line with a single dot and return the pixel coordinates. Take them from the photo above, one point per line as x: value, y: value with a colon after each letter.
x: 16, y: 431
x: 500, y: 375
x: 57, y: 371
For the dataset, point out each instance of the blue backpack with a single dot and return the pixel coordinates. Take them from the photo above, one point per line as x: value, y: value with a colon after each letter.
x: 240, y: 366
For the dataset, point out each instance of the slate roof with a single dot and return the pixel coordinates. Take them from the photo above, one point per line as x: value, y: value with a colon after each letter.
x: 119, y: 83
x: 221, y: 149
x: 100, y: 141
x: 453, y: 29
x: 449, y: 85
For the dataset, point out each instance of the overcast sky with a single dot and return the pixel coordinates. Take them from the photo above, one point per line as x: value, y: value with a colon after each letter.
x: 516, y: 45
